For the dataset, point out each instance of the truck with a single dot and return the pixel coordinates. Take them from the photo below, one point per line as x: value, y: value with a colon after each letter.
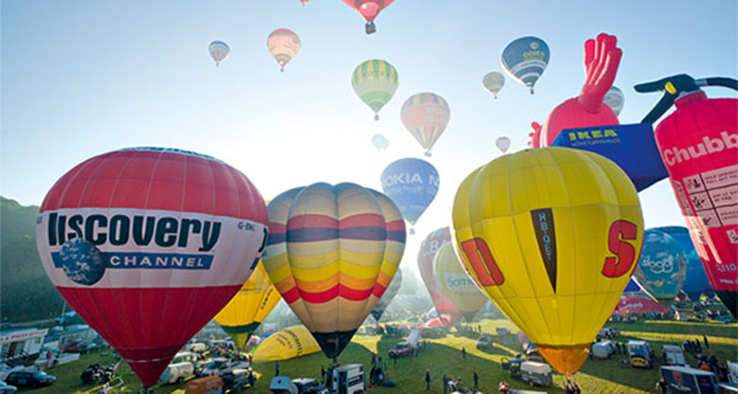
x: 639, y: 353
x: 603, y: 350
x: 406, y: 348
x: 348, y: 379
x: 536, y: 374
x: 283, y: 385
x: 673, y: 355
x: 687, y: 380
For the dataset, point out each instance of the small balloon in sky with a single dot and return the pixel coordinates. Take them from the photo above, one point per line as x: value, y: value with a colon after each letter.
x: 493, y: 82
x: 425, y: 116
x: 375, y: 82
x: 284, y: 45
x: 503, y: 144
x: 615, y: 100
x: 369, y: 9
x: 219, y: 51
x: 380, y: 142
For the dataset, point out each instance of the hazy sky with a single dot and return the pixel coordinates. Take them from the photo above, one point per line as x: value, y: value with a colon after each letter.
x: 80, y: 78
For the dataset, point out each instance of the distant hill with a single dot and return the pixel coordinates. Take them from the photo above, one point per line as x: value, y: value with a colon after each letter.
x: 26, y: 293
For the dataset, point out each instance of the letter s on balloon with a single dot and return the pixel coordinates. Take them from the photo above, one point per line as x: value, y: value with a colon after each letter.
x: 625, y: 254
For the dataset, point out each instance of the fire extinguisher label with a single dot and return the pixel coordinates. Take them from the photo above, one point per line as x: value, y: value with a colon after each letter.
x: 714, y: 196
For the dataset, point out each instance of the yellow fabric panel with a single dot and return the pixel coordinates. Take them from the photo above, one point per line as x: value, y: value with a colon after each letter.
x: 286, y: 344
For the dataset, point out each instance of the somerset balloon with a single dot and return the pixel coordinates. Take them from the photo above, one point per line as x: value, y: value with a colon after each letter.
x: 388, y: 296
x: 425, y: 116
x: 284, y: 45
x: 148, y: 244
x: 503, y: 144
x: 493, y: 82
x: 601, y: 62
x: 525, y: 60
x: 380, y: 142
x: 662, y: 266
x: 695, y: 280
x: 369, y: 9
x: 552, y: 236
x: 456, y: 283
x: 251, y: 305
x: 445, y: 310
x: 615, y: 100
x: 699, y: 144
x: 412, y: 184
x: 219, y: 51
x: 375, y: 82
x: 332, y: 253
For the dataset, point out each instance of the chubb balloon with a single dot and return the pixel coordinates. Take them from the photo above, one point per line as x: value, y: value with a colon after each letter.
x: 552, y: 236
x: 525, y: 59
x: 456, y: 283
x: 148, y: 244
x: 332, y: 252
x: 412, y: 184
x: 446, y: 312
x: 388, y: 296
x: 219, y: 51
x: 493, y: 82
x: 425, y: 116
x: 662, y: 266
x: 284, y: 45
x: 375, y: 82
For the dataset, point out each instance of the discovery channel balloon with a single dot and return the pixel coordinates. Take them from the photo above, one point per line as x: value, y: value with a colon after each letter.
x: 695, y: 280
x: 252, y: 304
x: 380, y: 142
x: 493, y: 82
x: 375, y: 82
x: 425, y: 116
x: 219, y: 51
x: 525, y: 59
x: 369, y: 9
x: 388, y: 296
x: 456, y: 283
x: 445, y: 310
x: 615, y: 100
x: 662, y: 266
x: 503, y: 144
x: 332, y: 252
x: 412, y: 184
x: 284, y: 45
x: 148, y: 244
x: 552, y: 236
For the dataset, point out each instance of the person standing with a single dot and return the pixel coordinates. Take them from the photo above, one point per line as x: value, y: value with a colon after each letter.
x: 707, y: 344
x: 476, y: 381
x: 427, y: 380
x: 661, y: 386
x: 322, y: 375
x: 445, y: 384
x: 463, y: 353
x: 276, y: 368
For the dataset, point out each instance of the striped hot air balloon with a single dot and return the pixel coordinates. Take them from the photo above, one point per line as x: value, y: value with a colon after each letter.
x: 425, y: 116
x: 284, y: 45
x: 219, y: 51
x: 332, y: 254
x: 388, y: 296
x: 375, y: 82
x: 525, y: 60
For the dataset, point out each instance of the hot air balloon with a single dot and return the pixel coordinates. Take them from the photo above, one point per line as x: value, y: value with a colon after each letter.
x: 251, y: 305
x: 552, y: 236
x: 219, y: 51
x: 380, y: 142
x: 425, y: 116
x: 284, y: 45
x: 369, y: 9
x: 388, y: 296
x: 503, y: 144
x: 148, y: 244
x: 525, y: 59
x: 375, y: 82
x: 286, y: 344
x: 446, y: 312
x: 695, y: 279
x: 493, y: 82
x: 304, y: 2
x: 456, y: 283
x: 662, y: 266
x: 332, y: 253
x: 615, y: 99
x: 412, y: 184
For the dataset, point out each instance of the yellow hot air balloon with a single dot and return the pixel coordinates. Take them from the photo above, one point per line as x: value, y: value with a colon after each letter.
x: 286, y: 344
x: 251, y: 305
x: 552, y: 235
x: 456, y: 283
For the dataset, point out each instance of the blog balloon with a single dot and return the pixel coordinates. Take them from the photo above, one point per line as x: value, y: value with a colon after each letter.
x: 662, y: 266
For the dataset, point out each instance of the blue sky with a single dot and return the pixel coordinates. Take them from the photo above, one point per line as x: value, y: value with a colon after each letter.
x: 80, y: 78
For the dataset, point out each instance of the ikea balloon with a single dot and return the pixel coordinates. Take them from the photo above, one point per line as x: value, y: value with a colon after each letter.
x: 525, y: 59
x: 148, y: 244
x: 493, y: 82
x: 332, y: 253
x: 388, y: 296
x: 552, y: 236
x: 286, y: 344
x: 425, y: 116
x: 695, y: 279
x: 662, y: 266
x: 446, y: 312
x: 456, y: 283
x: 380, y: 142
x: 219, y: 51
x: 503, y: 144
x: 375, y: 82
x: 251, y: 305
x: 369, y: 9
x: 615, y: 99
x: 284, y: 45
x: 412, y: 184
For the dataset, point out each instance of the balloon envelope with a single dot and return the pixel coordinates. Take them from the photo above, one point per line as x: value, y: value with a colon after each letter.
x: 425, y: 116
x: 388, y: 296
x: 552, y: 236
x: 503, y: 144
x: 375, y: 82
x: 412, y: 184
x: 284, y: 45
x: 148, y: 244
x: 662, y: 266
x: 525, y: 59
x: 695, y: 279
x: 286, y: 344
x: 445, y: 310
x: 380, y: 142
x: 219, y: 51
x: 369, y: 9
x: 615, y: 99
x: 493, y: 82
x: 456, y: 283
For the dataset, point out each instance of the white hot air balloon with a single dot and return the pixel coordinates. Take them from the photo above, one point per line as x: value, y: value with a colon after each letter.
x: 503, y: 144
x: 615, y: 100
x: 493, y: 82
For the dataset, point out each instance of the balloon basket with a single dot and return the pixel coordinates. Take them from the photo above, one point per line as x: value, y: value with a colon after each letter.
x: 376, y: 117
x: 370, y: 28
x: 412, y: 231
x: 428, y: 154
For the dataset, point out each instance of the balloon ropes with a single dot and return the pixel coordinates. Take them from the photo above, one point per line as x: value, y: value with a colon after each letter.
x: 375, y: 82
x: 525, y: 59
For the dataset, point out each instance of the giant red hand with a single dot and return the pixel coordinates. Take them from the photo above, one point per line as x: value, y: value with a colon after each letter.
x: 601, y: 62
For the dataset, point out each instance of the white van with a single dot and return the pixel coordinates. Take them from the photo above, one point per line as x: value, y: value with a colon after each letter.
x: 177, y: 373
x: 183, y: 357
x: 535, y: 373
x: 197, y: 347
x: 673, y: 355
x: 349, y: 379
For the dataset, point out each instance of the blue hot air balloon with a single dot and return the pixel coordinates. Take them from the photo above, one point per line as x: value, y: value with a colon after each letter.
x: 525, y: 59
x: 696, y: 281
x: 662, y: 266
x: 412, y: 184
x: 219, y: 51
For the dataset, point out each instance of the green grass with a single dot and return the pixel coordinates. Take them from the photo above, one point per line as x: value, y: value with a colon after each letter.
x: 444, y: 357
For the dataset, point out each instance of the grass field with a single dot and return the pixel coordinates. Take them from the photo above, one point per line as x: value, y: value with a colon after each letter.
x: 444, y: 357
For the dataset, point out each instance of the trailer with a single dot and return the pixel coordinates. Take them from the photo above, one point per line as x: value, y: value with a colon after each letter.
x: 687, y: 380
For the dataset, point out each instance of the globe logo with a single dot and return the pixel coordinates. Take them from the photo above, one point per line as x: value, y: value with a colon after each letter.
x: 82, y: 262
x: 534, y: 45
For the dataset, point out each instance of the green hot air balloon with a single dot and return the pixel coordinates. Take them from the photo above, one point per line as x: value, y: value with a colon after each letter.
x: 375, y: 82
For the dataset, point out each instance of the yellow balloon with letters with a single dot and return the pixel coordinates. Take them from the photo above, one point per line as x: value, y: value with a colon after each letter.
x: 552, y: 235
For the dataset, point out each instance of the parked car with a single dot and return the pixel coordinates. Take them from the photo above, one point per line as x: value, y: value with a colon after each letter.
x: 206, y: 385
x: 536, y: 374
x: 7, y: 389
x: 402, y: 349
x: 80, y: 347
x: 177, y: 373
x: 30, y: 378
x: 484, y: 341
x: 236, y: 379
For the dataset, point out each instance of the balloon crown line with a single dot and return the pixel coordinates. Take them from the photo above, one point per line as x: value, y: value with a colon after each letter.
x: 170, y: 150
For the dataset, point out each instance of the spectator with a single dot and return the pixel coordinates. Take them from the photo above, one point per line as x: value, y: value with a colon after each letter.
x: 445, y: 384
x: 276, y: 368
x: 707, y: 344
x: 698, y: 346
x: 661, y: 386
x: 322, y: 375
x: 463, y: 353
x: 476, y: 381
x: 427, y: 380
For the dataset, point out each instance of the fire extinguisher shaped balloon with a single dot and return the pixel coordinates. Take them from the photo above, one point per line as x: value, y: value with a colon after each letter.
x: 699, y: 146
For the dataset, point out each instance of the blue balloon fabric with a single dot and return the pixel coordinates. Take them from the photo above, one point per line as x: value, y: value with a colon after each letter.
x: 412, y: 184
x: 696, y: 281
x: 662, y: 266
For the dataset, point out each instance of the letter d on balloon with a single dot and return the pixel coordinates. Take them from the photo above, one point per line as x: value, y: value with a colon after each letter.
x: 625, y: 253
